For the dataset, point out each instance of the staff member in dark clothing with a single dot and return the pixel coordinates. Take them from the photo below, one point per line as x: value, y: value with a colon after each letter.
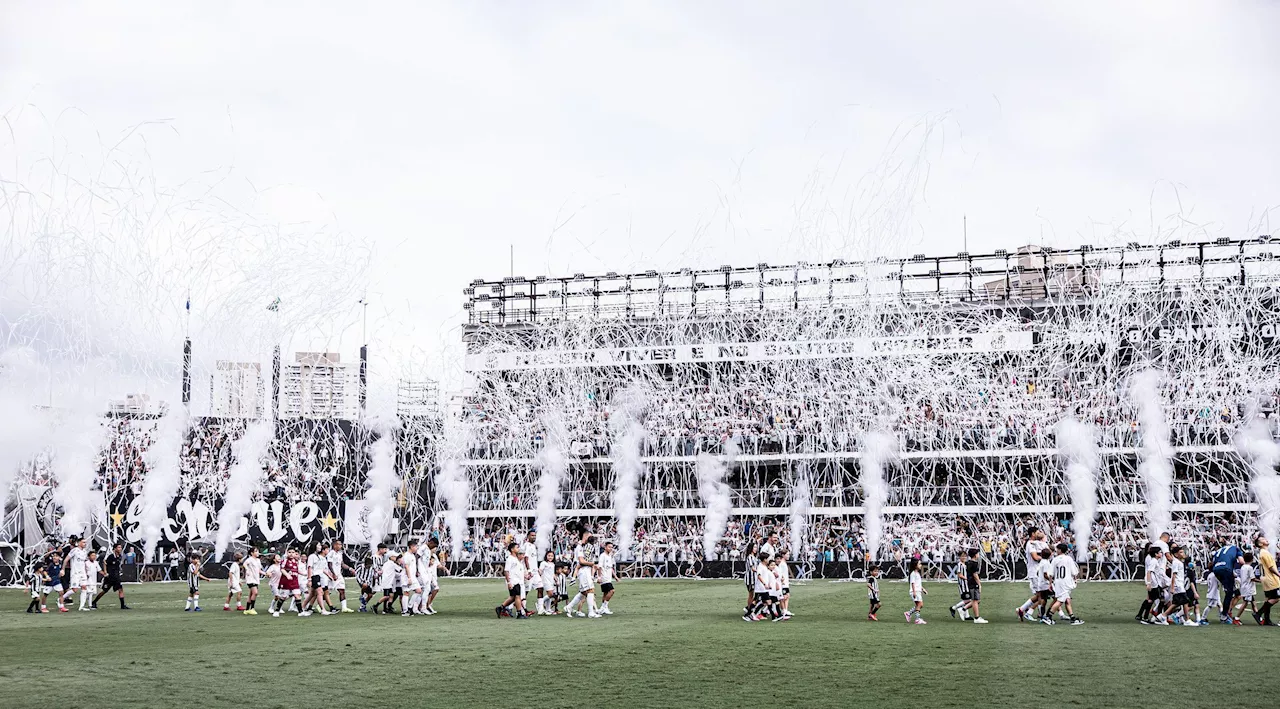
x: 1226, y: 559
x: 112, y: 581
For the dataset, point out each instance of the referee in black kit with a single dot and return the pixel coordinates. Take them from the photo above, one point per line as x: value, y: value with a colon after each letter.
x: 112, y: 581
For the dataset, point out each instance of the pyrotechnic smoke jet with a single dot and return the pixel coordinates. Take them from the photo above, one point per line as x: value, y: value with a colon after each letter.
x: 26, y: 428
x: 164, y: 476
x: 553, y: 465
x: 878, y: 450
x: 801, y: 500
x: 383, y: 482
x: 243, y: 480
x: 628, y: 434
x: 715, y: 494
x: 1077, y: 447
x: 1156, y: 469
x: 1261, y: 452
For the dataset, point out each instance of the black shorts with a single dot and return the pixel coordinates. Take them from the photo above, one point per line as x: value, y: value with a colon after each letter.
x: 251, y: 585
x: 516, y: 590
x: 112, y: 583
x: 193, y: 587
x: 1180, y: 599
x: 1273, y: 594
x: 966, y: 596
x: 1155, y: 594
x: 874, y: 600
x: 315, y: 583
x: 1046, y: 595
x: 786, y: 590
x: 562, y: 596
x: 605, y: 588
x: 366, y: 589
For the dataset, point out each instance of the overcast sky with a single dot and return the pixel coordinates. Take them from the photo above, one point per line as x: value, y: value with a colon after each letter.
x: 600, y: 136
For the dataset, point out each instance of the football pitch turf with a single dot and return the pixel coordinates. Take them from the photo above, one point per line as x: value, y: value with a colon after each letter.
x: 670, y: 643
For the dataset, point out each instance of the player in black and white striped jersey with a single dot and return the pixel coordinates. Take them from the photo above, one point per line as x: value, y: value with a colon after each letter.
x: 366, y: 575
x: 873, y: 592
x: 753, y: 560
x: 962, y: 585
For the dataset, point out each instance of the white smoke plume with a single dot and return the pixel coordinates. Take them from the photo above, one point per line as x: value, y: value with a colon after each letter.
x: 1079, y: 450
x: 715, y: 494
x: 243, y: 480
x: 26, y: 428
x: 1261, y: 452
x: 801, y: 500
x: 628, y: 435
x: 878, y: 451
x: 553, y: 465
x: 1156, y: 469
x: 383, y: 483
x: 452, y: 484
x: 77, y: 440
x: 164, y: 476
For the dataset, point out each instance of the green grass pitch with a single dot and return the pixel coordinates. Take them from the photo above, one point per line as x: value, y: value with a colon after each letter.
x: 670, y: 643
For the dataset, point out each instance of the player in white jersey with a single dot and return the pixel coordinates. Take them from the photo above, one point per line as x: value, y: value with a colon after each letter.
x: 1065, y: 572
x: 763, y: 590
x: 529, y: 553
x: 783, y: 573
x: 607, y: 568
x: 233, y: 583
x: 1033, y: 552
x: 89, y: 588
x: 252, y: 577
x: 413, y: 584
x: 317, y: 565
x: 74, y: 564
x: 915, y: 581
x: 278, y: 595
x: 1246, y: 589
x: 387, y: 581
x: 1042, y: 582
x: 431, y: 576
x: 584, y: 556
x: 337, y: 577
x: 1153, y: 577
x: 515, y: 574
x: 547, y: 594
x: 1180, y: 584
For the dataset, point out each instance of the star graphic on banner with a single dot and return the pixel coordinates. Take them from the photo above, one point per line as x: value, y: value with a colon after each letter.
x: 117, y: 519
x: 329, y: 521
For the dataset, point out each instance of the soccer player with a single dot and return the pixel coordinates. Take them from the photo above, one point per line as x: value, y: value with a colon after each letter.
x: 529, y: 555
x: 763, y: 584
x: 562, y: 587
x: 54, y: 572
x: 916, y: 583
x: 1044, y: 581
x: 962, y: 585
x: 514, y: 574
x: 337, y: 580
x: 585, y: 557
x: 366, y: 576
x: 391, y: 571
x: 873, y: 592
x: 233, y: 583
x: 1270, y: 580
x: 413, y: 584
x: 783, y: 573
x: 74, y: 565
x: 291, y: 580
x: 1181, y: 614
x: 1034, y: 551
x: 547, y: 593
x: 1225, y: 562
x: 1245, y: 589
x: 775, y: 592
x: 975, y: 587
x: 752, y: 556
x: 252, y: 577
x: 275, y: 575
x: 1065, y: 572
x: 1153, y: 577
x: 194, y: 577
x: 89, y: 588
x: 607, y: 566
x: 36, y: 582
x: 435, y: 565
x: 111, y: 577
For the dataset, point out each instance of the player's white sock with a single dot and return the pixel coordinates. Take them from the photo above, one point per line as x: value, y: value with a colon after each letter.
x: 344, y: 604
x: 84, y: 600
x: 195, y: 601
x: 577, y: 601
x: 1027, y: 606
x: 187, y: 604
x: 68, y: 595
x: 604, y: 606
x: 415, y: 600
x: 591, y: 603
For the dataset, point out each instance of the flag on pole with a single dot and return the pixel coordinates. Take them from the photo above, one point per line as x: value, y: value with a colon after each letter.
x: 275, y: 305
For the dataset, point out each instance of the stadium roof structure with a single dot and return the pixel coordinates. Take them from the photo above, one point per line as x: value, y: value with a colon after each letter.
x: 1024, y: 275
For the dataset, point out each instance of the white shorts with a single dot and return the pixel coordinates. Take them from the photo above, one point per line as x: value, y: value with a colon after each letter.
x: 415, y: 586
x: 233, y: 588
x: 535, y: 582
x: 78, y: 581
x: 275, y: 591
x: 586, y: 580
x: 917, y: 597
x: 433, y: 585
x: 338, y: 584
x: 1061, y: 592
x: 91, y: 588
